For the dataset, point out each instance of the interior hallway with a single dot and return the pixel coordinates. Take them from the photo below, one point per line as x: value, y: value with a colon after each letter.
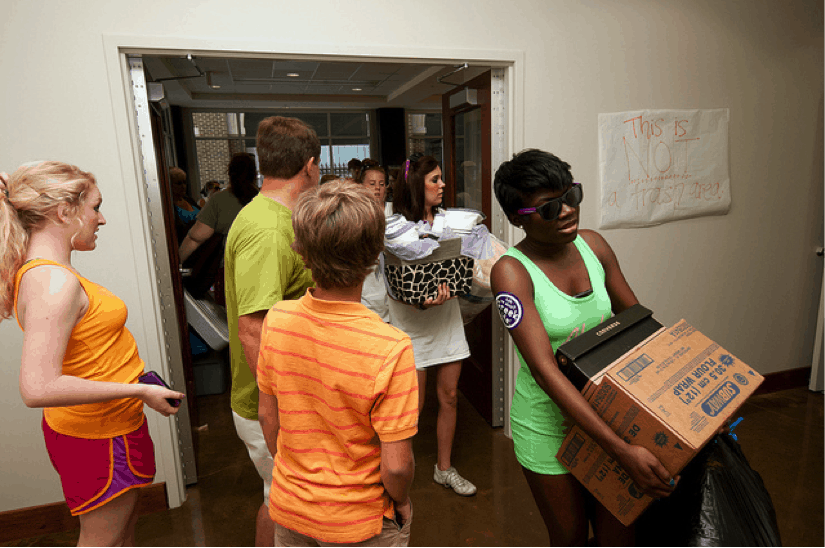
x: 781, y: 434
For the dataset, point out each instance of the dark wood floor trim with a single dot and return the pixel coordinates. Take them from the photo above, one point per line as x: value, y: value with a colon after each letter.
x: 783, y: 380
x: 36, y: 521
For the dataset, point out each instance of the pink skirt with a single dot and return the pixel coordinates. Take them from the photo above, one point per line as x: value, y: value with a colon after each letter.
x: 93, y: 472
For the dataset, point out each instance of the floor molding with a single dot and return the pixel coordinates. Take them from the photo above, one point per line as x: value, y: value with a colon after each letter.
x: 42, y: 520
x: 783, y: 380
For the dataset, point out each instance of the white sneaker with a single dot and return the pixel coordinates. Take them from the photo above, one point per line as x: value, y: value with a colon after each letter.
x: 451, y: 478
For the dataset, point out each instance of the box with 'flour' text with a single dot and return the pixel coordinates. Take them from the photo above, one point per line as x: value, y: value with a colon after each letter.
x: 670, y: 395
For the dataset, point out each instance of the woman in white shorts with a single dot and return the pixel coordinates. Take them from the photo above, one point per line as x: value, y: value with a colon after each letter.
x: 435, y: 326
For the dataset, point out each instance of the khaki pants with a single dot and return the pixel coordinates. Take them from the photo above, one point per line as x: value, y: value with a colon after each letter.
x: 390, y: 535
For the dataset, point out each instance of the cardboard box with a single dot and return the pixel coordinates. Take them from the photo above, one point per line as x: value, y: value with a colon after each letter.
x: 670, y: 395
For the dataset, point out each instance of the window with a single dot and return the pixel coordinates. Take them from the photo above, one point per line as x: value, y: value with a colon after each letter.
x: 218, y: 135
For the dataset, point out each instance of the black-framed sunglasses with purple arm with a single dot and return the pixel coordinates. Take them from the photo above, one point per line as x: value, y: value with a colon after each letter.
x: 551, y: 209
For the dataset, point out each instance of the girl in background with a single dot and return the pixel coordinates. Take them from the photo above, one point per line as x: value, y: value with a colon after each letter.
x: 374, y: 177
x: 435, y: 327
x: 223, y: 206
x: 207, y: 191
x: 374, y: 291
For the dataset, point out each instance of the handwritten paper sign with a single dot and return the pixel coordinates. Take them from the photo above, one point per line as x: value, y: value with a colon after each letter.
x: 658, y: 166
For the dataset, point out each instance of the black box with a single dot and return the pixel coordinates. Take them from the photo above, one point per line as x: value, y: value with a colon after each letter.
x: 588, y: 354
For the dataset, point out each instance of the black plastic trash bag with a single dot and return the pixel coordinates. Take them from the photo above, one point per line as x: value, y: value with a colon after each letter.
x: 720, y: 501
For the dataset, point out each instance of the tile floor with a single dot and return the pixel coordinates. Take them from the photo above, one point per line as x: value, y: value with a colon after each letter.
x: 781, y: 434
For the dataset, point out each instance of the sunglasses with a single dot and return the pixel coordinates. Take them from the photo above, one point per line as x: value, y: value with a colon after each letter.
x: 550, y: 210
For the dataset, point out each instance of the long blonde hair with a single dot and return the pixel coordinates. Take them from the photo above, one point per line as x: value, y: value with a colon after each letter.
x: 30, y: 200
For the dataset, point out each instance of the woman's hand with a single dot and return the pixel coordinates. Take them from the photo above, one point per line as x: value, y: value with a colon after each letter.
x: 155, y: 397
x: 442, y: 297
x: 647, y: 472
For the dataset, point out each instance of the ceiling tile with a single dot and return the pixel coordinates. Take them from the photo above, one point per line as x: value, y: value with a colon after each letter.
x: 212, y: 64
x: 181, y: 66
x: 250, y: 68
x: 336, y: 71
x: 377, y: 71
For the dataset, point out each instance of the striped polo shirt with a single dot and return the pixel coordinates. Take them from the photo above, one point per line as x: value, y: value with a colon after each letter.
x: 344, y: 381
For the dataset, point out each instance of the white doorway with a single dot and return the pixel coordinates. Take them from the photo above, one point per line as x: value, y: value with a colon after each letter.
x: 141, y: 182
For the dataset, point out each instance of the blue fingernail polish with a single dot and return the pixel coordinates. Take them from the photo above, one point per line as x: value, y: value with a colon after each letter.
x: 672, y: 483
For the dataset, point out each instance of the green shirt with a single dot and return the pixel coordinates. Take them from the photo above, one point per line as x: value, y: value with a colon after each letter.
x: 535, y: 419
x: 220, y: 211
x: 260, y: 269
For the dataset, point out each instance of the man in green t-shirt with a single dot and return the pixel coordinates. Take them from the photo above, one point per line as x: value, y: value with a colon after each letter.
x: 261, y: 269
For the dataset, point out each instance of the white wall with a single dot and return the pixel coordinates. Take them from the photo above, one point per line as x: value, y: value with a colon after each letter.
x: 748, y: 279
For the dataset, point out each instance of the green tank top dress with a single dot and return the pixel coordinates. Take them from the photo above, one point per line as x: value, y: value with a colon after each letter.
x: 535, y: 419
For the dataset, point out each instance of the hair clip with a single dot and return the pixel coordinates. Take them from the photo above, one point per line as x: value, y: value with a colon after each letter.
x: 407, y: 170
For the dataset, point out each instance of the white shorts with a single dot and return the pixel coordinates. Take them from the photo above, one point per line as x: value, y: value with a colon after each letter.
x: 253, y: 437
x: 437, y: 333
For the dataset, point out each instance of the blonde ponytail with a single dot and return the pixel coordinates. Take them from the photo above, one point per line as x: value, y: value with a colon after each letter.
x: 28, y: 201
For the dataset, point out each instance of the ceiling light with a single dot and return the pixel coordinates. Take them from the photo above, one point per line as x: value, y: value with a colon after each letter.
x: 293, y: 74
x: 356, y: 89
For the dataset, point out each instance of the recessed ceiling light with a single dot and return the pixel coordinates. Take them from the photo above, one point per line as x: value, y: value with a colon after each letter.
x: 293, y: 74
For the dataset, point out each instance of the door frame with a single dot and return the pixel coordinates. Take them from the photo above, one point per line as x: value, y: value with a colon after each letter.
x: 481, y: 380
x: 127, y: 137
x: 484, y: 80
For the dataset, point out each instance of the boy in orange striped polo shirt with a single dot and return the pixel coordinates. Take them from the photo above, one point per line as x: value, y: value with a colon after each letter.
x: 338, y: 390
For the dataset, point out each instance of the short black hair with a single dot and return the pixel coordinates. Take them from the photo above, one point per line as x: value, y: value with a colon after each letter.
x: 527, y: 172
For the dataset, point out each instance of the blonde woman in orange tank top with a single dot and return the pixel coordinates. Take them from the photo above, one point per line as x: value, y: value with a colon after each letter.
x: 79, y: 362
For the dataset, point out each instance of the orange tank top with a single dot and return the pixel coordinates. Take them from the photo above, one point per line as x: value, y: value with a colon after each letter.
x: 100, y: 349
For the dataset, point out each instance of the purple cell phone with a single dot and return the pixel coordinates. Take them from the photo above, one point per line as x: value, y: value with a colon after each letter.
x: 150, y: 377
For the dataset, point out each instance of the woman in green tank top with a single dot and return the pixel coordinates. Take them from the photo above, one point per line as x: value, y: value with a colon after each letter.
x: 556, y: 283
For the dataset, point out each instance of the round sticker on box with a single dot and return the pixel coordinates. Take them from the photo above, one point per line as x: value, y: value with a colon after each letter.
x: 510, y: 309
